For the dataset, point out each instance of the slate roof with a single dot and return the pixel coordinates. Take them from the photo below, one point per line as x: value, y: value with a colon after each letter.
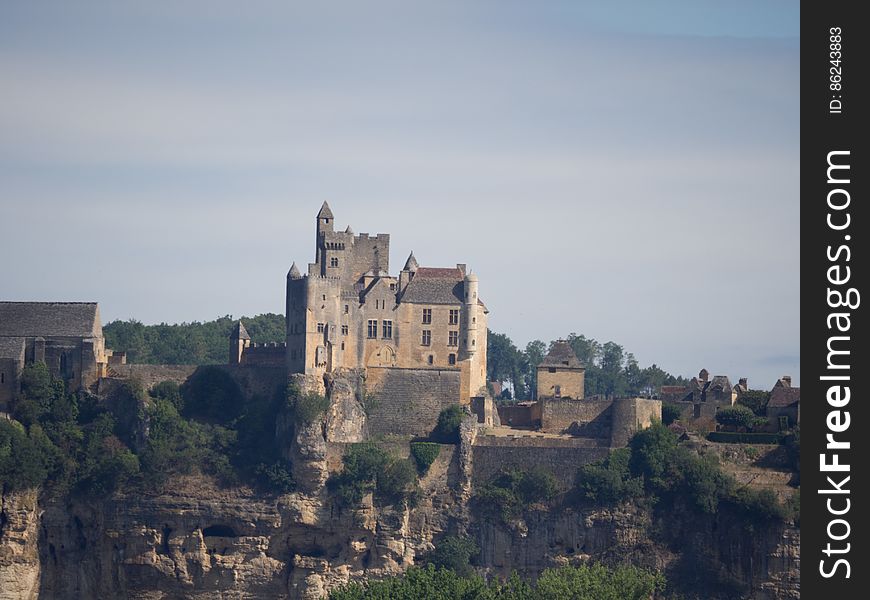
x: 781, y: 397
x: 720, y: 381
x: 50, y: 319
x: 411, y: 263
x: 325, y: 212
x: 12, y: 347
x: 561, y: 355
x: 239, y: 332
x: 435, y: 286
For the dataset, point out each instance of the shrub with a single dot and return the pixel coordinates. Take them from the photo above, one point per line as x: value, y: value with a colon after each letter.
x: 447, y: 429
x: 755, y: 400
x: 211, y: 394
x: 513, y: 491
x: 735, y: 416
x: 23, y: 462
x: 367, y: 468
x: 454, y: 553
x: 609, y: 481
x: 168, y: 390
x: 397, y: 480
x: 275, y: 477
x: 424, y: 454
x: 670, y: 413
x: 308, y: 408
x: 759, y: 505
x: 652, y: 452
x: 733, y: 437
x: 537, y: 485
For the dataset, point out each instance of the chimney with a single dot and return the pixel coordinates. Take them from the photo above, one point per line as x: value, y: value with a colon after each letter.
x: 744, y: 383
x: 786, y: 379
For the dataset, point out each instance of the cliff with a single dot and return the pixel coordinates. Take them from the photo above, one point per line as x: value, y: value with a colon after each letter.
x: 194, y: 539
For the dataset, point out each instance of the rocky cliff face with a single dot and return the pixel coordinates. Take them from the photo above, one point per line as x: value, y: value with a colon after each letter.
x: 196, y: 540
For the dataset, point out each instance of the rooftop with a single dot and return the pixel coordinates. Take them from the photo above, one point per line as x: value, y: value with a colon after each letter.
x: 55, y: 319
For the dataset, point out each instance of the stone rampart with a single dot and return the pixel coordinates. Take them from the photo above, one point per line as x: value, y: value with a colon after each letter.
x: 408, y: 401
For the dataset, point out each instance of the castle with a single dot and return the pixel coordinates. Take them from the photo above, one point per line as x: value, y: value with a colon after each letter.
x: 348, y: 312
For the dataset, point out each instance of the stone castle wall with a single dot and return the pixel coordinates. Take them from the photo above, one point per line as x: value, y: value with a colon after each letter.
x: 408, y: 401
x: 590, y: 418
x: 493, y: 454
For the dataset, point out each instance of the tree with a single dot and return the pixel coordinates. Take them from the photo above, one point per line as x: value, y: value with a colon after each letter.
x: 534, y: 355
x: 735, y: 416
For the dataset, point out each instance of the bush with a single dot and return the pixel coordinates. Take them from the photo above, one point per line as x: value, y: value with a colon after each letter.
x: 168, y: 390
x: 211, y: 394
x: 760, y: 505
x: 670, y: 412
x: 424, y: 454
x: 308, y: 408
x: 609, y: 481
x: 24, y: 462
x: 367, y: 468
x: 735, y: 416
x: 755, y: 400
x: 513, y: 491
x: 454, y: 553
x: 652, y: 452
x: 397, y: 480
x: 447, y: 429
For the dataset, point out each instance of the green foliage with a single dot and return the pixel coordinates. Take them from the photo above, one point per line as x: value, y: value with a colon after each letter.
x: 759, y: 505
x: 755, y: 400
x: 735, y: 416
x: 368, y: 468
x: 308, y: 408
x: 670, y: 413
x: 609, y: 481
x: 586, y: 582
x: 513, y: 491
x: 198, y: 343
x: 454, y: 553
x: 168, y: 390
x: 24, y: 461
x: 447, y: 429
x: 652, y: 452
x: 424, y: 454
x: 211, y: 394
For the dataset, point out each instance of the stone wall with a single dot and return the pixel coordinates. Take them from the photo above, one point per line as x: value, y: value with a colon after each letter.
x: 631, y: 415
x: 589, y: 418
x: 151, y: 374
x: 526, y: 414
x: 570, y: 381
x: 408, y: 401
x: 492, y: 454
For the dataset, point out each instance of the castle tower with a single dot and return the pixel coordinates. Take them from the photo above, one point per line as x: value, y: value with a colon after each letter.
x: 407, y: 273
x: 239, y: 341
x: 471, y: 308
x: 325, y: 224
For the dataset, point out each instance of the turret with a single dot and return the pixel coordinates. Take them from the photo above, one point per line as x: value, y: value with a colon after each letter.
x: 471, y: 308
x: 407, y: 273
x: 239, y: 341
x: 325, y: 224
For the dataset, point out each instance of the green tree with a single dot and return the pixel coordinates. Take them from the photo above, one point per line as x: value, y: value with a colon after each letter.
x: 735, y: 416
x: 454, y: 553
x: 534, y: 355
x: 447, y: 428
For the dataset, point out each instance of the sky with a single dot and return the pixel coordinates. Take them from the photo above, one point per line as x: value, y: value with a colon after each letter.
x: 623, y: 170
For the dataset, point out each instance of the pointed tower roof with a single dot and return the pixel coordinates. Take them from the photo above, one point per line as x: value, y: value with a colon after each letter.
x: 411, y: 263
x: 239, y: 332
x: 294, y: 273
x: 325, y: 212
x: 561, y: 355
x: 348, y: 230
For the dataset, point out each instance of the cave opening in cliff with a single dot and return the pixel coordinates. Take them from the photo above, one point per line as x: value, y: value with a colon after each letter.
x: 219, y: 531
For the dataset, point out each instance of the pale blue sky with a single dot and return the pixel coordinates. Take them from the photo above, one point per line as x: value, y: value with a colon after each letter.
x: 627, y: 170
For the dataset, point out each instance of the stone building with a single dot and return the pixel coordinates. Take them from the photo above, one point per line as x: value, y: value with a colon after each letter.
x: 784, y: 406
x: 347, y: 311
x: 67, y: 336
x: 703, y: 396
x: 244, y: 352
x: 561, y: 374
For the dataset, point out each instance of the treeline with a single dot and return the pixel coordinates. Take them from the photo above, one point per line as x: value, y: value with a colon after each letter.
x: 610, y: 370
x: 196, y: 343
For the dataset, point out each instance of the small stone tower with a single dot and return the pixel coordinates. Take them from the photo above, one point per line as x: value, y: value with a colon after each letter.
x: 239, y: 341
x: 472, y: 308
x: 325, y: 224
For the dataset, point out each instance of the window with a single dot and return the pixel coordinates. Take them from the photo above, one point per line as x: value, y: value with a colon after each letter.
x: 558, y: 392
x: 346, y: 308
x: 392, y: 286
x: 342, y: 345
x: 551, y: 370
x: 2, y: 377
x: 388, y: 330
x: 427, y: 337
x: 454, y: 316
x: 373, y: 328
x: 324, y: 296
x: 320, y: 327
x: 333, y: 262
x: 453, y: 338
x: 431, y: 359
x: 427, y: 316
x: 344, y: 330
x: 451, y: 359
